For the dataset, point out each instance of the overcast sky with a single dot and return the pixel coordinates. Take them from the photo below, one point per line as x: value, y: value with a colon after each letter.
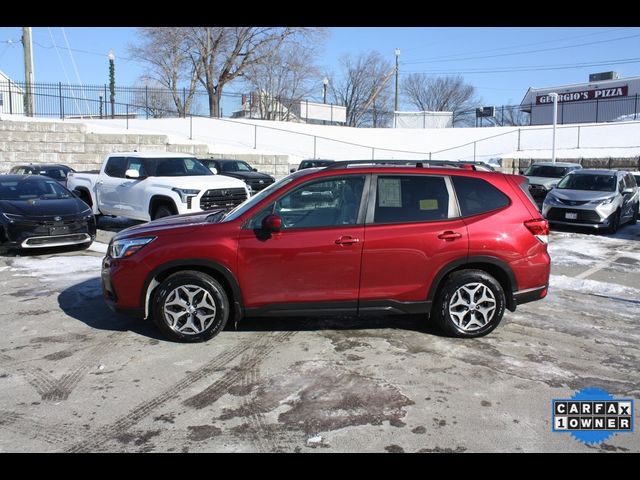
x: 501, y: 62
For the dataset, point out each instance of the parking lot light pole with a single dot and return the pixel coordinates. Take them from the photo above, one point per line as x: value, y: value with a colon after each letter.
x: 397, y: 72
x: 325, y: 83
x: 112, y: 81
x: 554, y: 97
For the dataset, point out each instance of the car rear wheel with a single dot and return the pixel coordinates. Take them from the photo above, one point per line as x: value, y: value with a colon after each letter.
x: 190, y: 306
x: 470, y: 304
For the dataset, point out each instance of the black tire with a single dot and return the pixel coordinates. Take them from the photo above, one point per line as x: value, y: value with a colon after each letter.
x: 162, y: 211
x: 636, y: 212
x: 175, y: 288
x: 614, y: 220
x: 451, y: 292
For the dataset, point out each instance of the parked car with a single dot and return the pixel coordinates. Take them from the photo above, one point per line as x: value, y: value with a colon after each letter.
x: 313, y: 163
x: 543, y: 176
x: 36, y: 211
x: 149, y: 185
x: 457, y: 245
x: 593, y: 198
x: 52, y: 170
x: 239, y: 169
x: 636, y: 176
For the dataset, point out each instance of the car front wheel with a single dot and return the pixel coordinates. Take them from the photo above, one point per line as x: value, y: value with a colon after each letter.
x: 190, y: 306
x: 470, y: 304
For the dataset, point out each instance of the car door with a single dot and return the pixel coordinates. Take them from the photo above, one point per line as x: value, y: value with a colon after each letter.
x: 131, y: 191
x: 412, y: 230
x: 107, y: 184
x: 314, y: 261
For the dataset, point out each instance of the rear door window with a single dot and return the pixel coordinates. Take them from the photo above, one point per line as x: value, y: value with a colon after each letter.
x: 476, y: 195
x: 115, y: 167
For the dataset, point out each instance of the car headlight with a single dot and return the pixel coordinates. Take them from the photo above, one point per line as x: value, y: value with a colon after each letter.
x: 128, y: 246
x: 185, y: 193
x: 606, y: 201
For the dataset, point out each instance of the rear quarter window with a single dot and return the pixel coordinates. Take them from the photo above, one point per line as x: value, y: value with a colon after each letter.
x: 476, y: 195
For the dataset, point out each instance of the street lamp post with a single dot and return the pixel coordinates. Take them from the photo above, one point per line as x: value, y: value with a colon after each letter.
x: 325, y: 82
x: 554, y: 97
x: 395, y: 108
x: 112, y: 82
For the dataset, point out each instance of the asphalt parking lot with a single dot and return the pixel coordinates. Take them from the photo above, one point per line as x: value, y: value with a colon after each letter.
x: 75, y: 377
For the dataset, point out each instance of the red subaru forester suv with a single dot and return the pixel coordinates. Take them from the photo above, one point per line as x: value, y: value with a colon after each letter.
x: 453, y: 244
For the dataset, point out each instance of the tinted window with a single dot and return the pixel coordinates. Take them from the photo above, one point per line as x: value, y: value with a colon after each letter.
x: 115, y: 167
x: 410, y: 198
x: 57, y: 173
x: 31, y: 189
x: 320, y: 203
x: 549, y: 171
x: 175, y: 167
x: 477, y: 196
x: 137, y: 164
x: 629, y: 182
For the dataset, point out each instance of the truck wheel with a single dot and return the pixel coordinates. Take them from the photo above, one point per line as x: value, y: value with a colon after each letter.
x: 190, y: 306
x: 162, y: 211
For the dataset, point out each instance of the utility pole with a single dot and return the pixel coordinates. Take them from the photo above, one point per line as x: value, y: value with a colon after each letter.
x: 395, y: 108
x: 28, y: 70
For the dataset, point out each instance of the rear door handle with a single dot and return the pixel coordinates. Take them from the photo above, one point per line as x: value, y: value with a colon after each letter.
x: 347, y: 240
x: 449, y: 235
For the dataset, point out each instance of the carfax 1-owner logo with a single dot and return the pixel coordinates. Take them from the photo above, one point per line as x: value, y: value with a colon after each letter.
x: 592, y: 415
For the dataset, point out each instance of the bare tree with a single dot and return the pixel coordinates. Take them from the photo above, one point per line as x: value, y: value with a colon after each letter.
x: 170, y: 61
x: 225, y: 53
x: 513, y: 116
x: 286, y: 77
x: 362, y: 81
x: 441, y: 94
x: 154, y: 98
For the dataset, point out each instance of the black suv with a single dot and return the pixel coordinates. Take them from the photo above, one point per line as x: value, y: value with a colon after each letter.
x: 239, y: 169
x: 51, y: 170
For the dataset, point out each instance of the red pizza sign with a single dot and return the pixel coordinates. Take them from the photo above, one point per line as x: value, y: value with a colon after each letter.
x: 585, y: 95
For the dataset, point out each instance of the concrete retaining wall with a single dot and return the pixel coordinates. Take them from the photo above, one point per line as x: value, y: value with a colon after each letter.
x: 71, y: 144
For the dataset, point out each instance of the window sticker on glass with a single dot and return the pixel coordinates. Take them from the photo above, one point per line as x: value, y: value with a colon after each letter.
x: 429, y: 204
x: 389, y: 194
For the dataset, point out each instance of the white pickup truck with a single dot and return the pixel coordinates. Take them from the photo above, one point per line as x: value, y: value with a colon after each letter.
x: 150, y: 185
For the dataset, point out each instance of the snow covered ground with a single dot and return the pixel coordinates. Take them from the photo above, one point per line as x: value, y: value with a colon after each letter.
x: 615, y: 139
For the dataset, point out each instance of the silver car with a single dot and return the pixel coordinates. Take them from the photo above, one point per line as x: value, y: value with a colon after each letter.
x: 593, y: 198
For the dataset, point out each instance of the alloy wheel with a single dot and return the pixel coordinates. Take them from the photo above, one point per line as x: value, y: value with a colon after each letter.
x: 472, y: 306
x: 189, y: 309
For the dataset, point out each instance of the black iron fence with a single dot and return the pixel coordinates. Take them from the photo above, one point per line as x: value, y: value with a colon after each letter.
x: 94, y: 101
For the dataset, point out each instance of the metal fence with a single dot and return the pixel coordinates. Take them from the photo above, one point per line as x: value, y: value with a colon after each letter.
x: 94, y: 101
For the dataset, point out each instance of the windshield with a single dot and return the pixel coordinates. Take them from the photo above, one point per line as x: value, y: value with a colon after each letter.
x: 236, y: 167
x: 549, y: 171
x: 172, y: 167
x: 598, y: 183
x: 250, y: 202
x: 30, y: 189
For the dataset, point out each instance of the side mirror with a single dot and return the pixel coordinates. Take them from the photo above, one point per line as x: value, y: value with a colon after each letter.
x: 292, y: 170
x: 131, y: 173
x: 214, y: 170
x: 254, y: 169
x: 627, y: 191
x: 272, y: 223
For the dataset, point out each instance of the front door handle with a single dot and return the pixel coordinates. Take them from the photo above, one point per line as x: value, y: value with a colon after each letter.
x: 449, y: 235
x: 347, y: 240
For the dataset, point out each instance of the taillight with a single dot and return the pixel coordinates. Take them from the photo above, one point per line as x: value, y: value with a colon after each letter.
x: 540, y: 228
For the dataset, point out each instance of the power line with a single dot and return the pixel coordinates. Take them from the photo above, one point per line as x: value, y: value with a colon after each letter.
x: 444, y: 57
x: 48, y: 47
x: 535, y: 68
x: 525, y: 52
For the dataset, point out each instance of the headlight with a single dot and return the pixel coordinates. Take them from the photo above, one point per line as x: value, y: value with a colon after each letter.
x: 128, y: 246
x: 185, y: 193
x: 606, y: 201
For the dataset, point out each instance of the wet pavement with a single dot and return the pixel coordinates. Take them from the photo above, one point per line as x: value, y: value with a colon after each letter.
x: 75, y: 377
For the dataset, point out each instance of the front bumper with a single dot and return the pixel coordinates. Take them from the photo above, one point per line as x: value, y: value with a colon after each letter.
x: 594, y: 216
x: 118, y: 288
x: 31, y: 233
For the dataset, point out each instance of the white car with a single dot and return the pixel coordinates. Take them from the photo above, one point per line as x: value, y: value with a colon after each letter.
x: 150, y: 185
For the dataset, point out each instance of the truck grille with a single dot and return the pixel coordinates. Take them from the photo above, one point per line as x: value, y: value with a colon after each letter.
x: 222, y: 198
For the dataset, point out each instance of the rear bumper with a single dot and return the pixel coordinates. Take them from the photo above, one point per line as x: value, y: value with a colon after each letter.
x: 530, y: 295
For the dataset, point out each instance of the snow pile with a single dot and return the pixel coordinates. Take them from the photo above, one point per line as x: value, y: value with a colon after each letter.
x: 594, y: 287
x: 61, y: 271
